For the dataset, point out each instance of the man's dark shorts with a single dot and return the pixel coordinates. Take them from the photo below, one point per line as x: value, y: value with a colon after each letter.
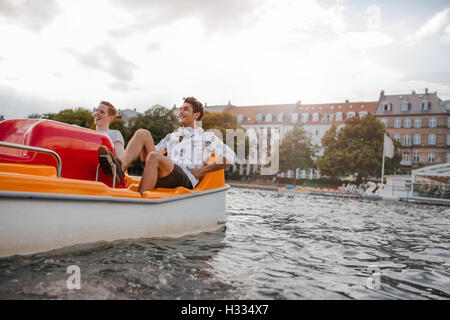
x: 177, y: 178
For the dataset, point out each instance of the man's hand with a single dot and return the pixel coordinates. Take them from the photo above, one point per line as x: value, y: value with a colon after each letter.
x: 198, y: 173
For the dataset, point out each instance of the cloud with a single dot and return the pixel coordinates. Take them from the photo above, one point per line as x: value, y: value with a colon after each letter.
x: 105, y: 58
x: 33, y: 14
x: 433, y: 25
x: 446, y: 37
x: 123, y: 86
x: 18, y: 104
x: 214, y: 15
x: 154, y: 46
x: 425, y: 60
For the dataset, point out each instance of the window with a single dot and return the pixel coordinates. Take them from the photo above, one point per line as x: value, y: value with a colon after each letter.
x: 432, y: 138
x: 448, y: 122
x: 240, y: 118
x: 280, y: 117
x: 448, y: 139
x: 397, y: 123
x: 431, y: 157
x: 351, y: 114
x: 363, y: 114
x: 416, y: 156
x: 339, y: 116
x: 396, y: 137
x: 417, y: 138
x: 384, y: 122
x: 269, y: 117
x: 387, y: 107
x: 259, y: 117
x: 405, y: 106
x: 406, y: 140
x: 417, y: 122
x: 327, y: 118
x: 294, y: 117
x: 305, y: 117
x: 425, y: 105
x: 315, y: 116
x: 407, y: 123
x: 405, y: 156
x: 432, y: 122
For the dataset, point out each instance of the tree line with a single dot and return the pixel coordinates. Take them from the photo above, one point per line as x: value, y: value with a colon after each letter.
x: 355, y: 149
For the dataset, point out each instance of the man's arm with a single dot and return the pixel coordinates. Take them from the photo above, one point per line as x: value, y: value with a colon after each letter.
x: 200, y: 172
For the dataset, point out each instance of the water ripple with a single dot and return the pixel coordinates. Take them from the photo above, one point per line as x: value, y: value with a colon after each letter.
x: 275, y: 246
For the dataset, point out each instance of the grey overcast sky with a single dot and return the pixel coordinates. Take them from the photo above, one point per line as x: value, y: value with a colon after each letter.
x: 57, y: 54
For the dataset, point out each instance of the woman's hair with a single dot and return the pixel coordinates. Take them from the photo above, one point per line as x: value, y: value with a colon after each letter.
x: 197, y: 106
x: 112, y: 111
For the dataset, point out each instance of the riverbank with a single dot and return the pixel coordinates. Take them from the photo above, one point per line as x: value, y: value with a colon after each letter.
x: 260, y: 186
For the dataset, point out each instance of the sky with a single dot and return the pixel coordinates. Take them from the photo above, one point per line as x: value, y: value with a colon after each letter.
x: 58, y: 54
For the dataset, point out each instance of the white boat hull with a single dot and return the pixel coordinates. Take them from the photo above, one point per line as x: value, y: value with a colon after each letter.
x: 36, y: 222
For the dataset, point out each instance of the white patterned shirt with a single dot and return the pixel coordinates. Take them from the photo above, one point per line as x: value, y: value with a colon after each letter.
x: 194, y: 150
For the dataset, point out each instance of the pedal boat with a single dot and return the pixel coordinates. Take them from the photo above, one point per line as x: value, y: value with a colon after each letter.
x: 45, y: 206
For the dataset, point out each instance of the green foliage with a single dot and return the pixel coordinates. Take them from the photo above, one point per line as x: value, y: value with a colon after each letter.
x: 78, y: 116
x: 297, y: 151
x: 220, y: 121
x: 119, y: 124
x: 48, y: 115
x: 159, y: 120
x: 356, y: 148
x: 34, y: 116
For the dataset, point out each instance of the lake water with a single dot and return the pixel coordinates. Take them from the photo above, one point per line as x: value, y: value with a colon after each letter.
x: 275, y: 246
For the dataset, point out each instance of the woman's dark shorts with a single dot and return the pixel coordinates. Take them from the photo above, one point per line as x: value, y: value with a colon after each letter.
x: 177, y: 178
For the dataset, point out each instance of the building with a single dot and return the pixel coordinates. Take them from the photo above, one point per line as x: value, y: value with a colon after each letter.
x: 420, y: 122
x: 218, y: 108
x: 128, y: 115
x: 316, y: 119
x: 263, y: 116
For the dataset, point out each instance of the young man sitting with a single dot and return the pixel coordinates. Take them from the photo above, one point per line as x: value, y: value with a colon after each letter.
x: 187, y: 150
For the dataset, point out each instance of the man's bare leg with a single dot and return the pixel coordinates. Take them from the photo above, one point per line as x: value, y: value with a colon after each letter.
x: 156, y: 166
x: 140, y: 144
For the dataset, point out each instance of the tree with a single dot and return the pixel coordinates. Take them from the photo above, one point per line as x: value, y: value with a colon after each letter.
x: 78, y: 116
x: 297, y: 151
x: 222, y: 121
x: 119, y: 124
x: 356, y: 148
x: 34, y: 116
x: 332, y: 162
x: 159, y: 120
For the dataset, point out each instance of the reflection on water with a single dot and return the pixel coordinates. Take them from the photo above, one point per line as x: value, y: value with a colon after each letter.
x: 275, y: 246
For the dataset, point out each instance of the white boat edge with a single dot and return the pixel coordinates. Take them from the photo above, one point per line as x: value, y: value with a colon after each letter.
x: 37, y: 222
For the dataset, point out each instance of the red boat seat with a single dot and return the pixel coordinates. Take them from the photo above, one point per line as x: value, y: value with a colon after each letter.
x: 76, y: 146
